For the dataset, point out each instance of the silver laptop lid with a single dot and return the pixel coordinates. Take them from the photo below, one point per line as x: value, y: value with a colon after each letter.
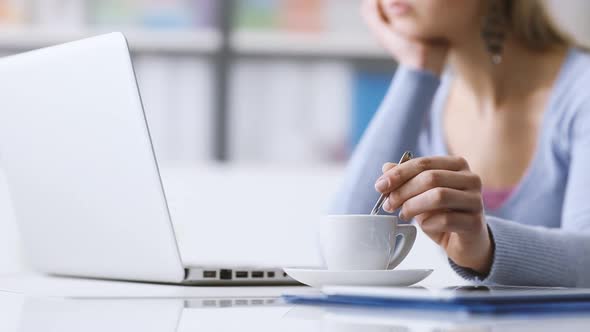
x: 80, y: 165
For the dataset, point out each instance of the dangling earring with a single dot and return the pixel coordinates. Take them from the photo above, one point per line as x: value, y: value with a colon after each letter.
x: 493, y: 31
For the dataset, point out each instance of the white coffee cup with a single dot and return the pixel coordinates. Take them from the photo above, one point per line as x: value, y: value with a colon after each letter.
x: 364, y: 242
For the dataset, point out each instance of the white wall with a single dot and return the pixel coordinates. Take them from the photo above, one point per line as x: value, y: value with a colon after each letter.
x: 573, y: 16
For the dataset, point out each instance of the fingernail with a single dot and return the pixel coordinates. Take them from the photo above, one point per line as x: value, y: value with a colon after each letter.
x: 382, y: 185
x: 387, y: 206
x: 402, y: 217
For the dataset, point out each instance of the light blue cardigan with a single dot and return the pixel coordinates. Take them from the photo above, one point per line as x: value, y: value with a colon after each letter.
x: 542, y: 232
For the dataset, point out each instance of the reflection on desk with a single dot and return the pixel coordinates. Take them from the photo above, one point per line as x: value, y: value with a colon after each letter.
x: 244, y: 314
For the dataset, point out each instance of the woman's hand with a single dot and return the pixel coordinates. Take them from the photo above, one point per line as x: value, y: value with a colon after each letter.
x: 407, y: 50
x: 444, y: 197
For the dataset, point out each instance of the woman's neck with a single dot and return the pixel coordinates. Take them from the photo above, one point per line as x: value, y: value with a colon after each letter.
x: 521, y: 73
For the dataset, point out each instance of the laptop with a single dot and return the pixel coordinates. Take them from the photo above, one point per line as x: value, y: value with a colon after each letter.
x: 83, y: 176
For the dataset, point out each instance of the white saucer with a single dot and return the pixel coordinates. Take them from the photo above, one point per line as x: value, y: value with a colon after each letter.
x: 322, y: 277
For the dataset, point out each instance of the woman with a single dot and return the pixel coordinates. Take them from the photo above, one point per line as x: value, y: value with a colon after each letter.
x: 505, y: 135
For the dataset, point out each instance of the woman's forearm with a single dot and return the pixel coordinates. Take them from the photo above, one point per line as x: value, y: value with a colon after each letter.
x: 394, y: 129
x: 535, y: 256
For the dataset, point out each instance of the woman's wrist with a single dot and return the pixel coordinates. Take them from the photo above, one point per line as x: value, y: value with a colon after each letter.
x: 482, y: 262
x: 487, y: 260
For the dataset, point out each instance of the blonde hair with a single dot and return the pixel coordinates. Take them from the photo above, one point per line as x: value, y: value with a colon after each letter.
x: 530, y: 23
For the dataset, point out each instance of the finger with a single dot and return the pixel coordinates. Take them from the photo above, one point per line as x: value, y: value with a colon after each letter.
x: 449, y: 222
x: 421, y: 217
x: 399, y: 175
x: 431, y: 179
x: 373, y: 15
x: 370, y: 10
x: 441, y: 199
x: 387, y: 166
x: 381, y: 12
x: 435, y: 236
x: 380, y: 25
x: 386, y: 206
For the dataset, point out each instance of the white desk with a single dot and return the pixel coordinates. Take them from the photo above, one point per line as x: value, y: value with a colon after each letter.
x: 31, y: 303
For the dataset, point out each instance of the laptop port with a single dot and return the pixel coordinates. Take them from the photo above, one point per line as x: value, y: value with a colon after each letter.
x: 209, y: 303
x: 225, y: 274
x: 257, y: 274
x: 241, y: 302
x: 270, y: 274
x: 210, y: 274
x: 225, y: 303
x: 241, y: 274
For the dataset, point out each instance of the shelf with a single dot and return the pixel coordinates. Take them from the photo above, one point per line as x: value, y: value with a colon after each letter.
x: 172, y: 41
x: 206, y: 41
x: 306, y: 44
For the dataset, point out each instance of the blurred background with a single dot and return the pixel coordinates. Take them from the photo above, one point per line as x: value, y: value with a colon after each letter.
x: 220, y: 77
x: 263, y: 96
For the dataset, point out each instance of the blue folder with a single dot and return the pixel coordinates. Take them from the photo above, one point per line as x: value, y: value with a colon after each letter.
x: 474, y: 307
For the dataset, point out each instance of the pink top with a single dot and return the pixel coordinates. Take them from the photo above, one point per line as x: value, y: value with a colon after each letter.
x: 494, y: 198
